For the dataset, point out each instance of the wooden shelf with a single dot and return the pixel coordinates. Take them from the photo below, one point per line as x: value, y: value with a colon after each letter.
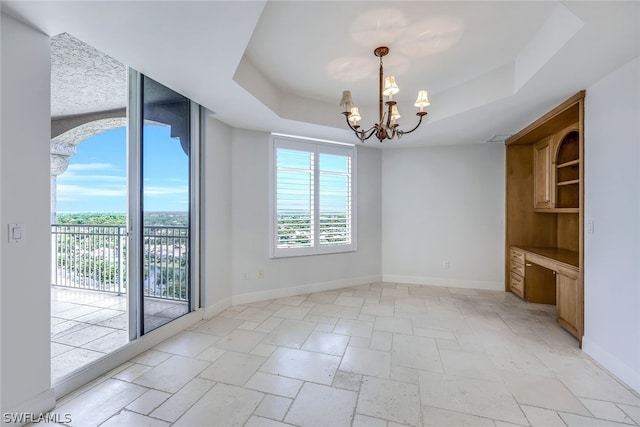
x: 566, y: 164
x: 573, y: 181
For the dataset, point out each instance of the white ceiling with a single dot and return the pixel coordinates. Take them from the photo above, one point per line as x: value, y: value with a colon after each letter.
x: 490, y: 67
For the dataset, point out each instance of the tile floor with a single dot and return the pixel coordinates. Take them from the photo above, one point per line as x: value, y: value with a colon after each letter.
x: 86, y: 325
x: 382, y: 354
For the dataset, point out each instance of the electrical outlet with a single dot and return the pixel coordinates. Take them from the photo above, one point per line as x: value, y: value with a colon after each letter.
x: 446, y: 264
x: 245, y: 276
x: 261, y: 274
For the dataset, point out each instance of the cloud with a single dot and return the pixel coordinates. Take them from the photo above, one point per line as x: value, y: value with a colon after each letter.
x: 163, y: 191
x: 70, y: 192
x: 91, y: 166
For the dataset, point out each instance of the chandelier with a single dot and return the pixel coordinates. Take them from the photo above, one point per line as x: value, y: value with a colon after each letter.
x: 387, y: 127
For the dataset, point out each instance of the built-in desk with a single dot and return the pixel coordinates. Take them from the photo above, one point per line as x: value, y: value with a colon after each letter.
x: 549, y: 276
x: 551, y: 257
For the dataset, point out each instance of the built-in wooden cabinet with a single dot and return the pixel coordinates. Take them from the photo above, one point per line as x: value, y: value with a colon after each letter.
x: 544, y: 213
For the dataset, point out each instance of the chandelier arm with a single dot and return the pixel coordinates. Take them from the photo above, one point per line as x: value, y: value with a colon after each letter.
x: 404, y: 132
x: 361, y: 134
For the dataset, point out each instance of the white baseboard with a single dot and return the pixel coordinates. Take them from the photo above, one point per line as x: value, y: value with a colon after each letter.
x: 39, y: 404
x: 216, y: 308
x: 623, y: 372
x: 125, y: 353
x: 302, y: 289
x: 439, y: 281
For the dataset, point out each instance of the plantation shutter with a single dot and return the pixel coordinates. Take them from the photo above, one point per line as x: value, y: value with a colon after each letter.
x: 312, y: 188
x: 295, y: 198
x: 335, y: 199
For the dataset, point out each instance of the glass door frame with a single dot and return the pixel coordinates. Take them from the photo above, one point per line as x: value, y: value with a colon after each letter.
x: 134, y: 195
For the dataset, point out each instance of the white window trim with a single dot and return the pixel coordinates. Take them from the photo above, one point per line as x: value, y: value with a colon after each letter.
x: 312, y: 145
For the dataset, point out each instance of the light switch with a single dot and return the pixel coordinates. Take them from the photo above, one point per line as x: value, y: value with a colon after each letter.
x: 16, y: 233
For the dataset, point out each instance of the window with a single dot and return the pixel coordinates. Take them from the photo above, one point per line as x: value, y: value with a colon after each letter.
x: 312, y: 197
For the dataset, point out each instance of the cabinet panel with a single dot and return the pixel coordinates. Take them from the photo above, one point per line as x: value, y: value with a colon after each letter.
x: 567, y: 292
x: 542, y: 174
x: 517, y: 285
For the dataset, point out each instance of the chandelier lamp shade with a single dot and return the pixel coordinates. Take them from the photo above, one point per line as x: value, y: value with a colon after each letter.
x: 387, y: 126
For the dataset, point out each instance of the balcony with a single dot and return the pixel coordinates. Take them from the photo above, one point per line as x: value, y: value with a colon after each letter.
x: 89, y: 316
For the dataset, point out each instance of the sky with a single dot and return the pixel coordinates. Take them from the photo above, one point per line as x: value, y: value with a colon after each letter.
x: 96, y: 179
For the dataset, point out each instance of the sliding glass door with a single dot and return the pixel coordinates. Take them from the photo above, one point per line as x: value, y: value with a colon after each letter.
x: 161, y: 157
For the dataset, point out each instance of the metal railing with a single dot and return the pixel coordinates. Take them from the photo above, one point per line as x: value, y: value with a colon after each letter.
x: 93, y: 257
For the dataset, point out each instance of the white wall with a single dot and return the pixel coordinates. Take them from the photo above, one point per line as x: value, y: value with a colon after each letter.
x: 444, y: 203
x: 216, y: 214
x: 250, y: 225
x: 612, y: 202
x: 24, y: 198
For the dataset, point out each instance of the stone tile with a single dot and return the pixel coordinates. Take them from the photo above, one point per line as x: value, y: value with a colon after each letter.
x: 347, y: 380
x: 224, y: 406
x: 376, y: 309
x: 392, y: 324
x: 256, y: 421
x: 274, y: 407
x: 274, y: 384
x: 468, y: 395
x: 292, y: 312
x: 349, y: 301
x: 264, y: 350
x: 539, y: 417
x: 354, y: 328
x: 186, y: 343
x: 172, y: 374
x: 254, y: 314
x: 240, y: 340
x: 365, y: 421
x: 606, y: 411
x: 329, y: 310
x: 109, y: 342
x: 410, y: 305
x: 71, y: 360
x: 210, y: 354
x: 367, y: 362
x: 148, y: 402
x: 390, y: 400
x: 132, y: 372
x: 573, y: 420
x: 470, y: 365
x: 381, y: 340
x: 303, y: 365
x: 543, y: 392
x: 101, y: 402
x: 323, y: 342
x: 83, y: 336
x: 632, y: 411
x: 219, y: 326
x: 290, y: 333
x: 179, y: 402
x: 233, y: 368
x: 322, y: 406
x: 132, y: 419
x: 437, y: 417
x: 415, y: 352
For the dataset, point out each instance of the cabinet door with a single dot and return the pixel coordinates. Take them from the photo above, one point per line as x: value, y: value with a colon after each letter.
x: 543, y: 174
x: 567, y: 299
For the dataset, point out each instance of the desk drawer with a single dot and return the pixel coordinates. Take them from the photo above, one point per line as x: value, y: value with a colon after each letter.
x: 517, y: 256
x: 517, y: 285
x: 517, y: 268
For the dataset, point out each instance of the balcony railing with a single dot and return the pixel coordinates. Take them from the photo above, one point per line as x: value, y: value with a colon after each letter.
x: 94, y: 257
